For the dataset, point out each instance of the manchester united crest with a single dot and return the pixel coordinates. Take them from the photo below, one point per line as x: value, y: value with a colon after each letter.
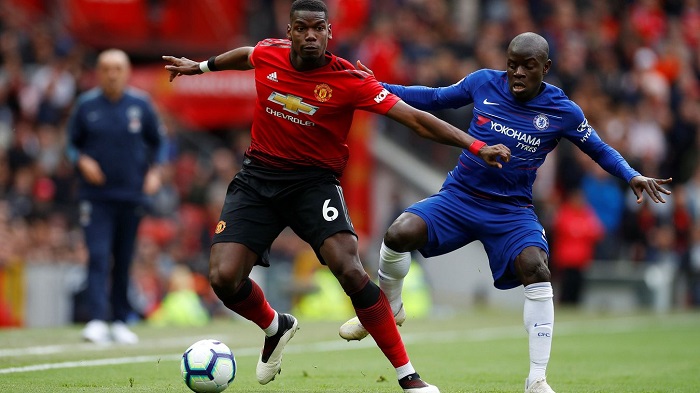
x: 323, y: 92
x: 220, y: 226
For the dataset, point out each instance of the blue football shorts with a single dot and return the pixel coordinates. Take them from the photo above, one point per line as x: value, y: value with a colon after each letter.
x: 455, y: 219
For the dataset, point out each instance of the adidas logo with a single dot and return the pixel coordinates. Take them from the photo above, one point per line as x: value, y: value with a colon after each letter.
x: 273, y: 77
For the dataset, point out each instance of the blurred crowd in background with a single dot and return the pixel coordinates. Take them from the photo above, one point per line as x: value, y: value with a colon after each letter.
x: 632, y: 66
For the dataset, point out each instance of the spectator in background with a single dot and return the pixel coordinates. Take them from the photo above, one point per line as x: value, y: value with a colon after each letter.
x: 605, y: 196
x: 694, y: 268
x: 577, y: 230
x: 114, y: 140
x: 12, y: 250
x: 50, y: 91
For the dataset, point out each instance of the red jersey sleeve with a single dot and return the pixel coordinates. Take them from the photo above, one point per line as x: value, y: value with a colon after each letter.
x: 371, y: 95
x: 281, y: 43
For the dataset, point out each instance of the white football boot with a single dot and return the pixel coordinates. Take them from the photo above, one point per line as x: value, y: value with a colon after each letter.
x: 540, y: 385
x: 270, y: 360
x: 353, y: 329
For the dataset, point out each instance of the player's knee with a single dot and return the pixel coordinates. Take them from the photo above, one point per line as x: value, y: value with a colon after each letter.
x: 222, y: 282
x: 541, y: 272
x: 532, y: 266
x: 352, y: 279
x: 406, y: 233
x: 393, y: 239
x: 224, y: 278
x: 229, y: 266
x: 349, y: 272
x: 340, y: 252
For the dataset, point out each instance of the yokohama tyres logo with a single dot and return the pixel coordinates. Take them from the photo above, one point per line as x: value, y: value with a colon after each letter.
x: 515, y: 134
x: 585, y: 127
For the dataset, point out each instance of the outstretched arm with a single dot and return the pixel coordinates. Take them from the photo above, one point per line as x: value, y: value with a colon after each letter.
x: 640, y: 184
x: 611, y: 160
x: 429, y: 98
x: 235, y: 59
x: 430, y: 127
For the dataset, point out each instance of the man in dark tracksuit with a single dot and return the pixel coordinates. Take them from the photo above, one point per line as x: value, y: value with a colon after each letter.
x: 114, y: 136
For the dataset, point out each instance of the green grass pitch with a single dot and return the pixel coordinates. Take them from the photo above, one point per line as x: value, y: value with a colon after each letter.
x: 478, y: 351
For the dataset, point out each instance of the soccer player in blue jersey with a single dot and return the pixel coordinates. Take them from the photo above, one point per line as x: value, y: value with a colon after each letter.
x: 518, y: 109
x: 114, y: 139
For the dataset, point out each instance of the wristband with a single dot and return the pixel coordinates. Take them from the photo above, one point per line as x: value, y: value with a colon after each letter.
x: 208, y: 65
x: 211, y: 64
x: 204, y: 67
x: 476, y: 146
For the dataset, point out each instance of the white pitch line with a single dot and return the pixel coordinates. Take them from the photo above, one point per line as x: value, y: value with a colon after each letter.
x: 324, y: 346
x: 91, y: 347
x: 616, y: 326
x: 81, y: 363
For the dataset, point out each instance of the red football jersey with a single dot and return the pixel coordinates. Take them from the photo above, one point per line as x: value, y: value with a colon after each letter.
x: 302, y: 119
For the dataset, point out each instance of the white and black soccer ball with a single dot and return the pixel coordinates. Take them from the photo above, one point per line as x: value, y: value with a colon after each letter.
x: 208, y: 366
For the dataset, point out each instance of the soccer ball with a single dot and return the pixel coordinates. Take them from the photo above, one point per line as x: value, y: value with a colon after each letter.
x: 208, y: 366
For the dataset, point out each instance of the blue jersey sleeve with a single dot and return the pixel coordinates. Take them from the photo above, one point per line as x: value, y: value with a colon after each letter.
x: 587, y: 139
x: 434, y: 98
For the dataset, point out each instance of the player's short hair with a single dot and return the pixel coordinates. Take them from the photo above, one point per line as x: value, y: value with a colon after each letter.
x: 533, y: 42
x: 309, y: 5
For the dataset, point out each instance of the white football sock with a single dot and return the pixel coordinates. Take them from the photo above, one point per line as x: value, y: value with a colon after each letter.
x: 393, y: 267
x: 406, y: 369
x: 538, y: 316
x: 274, y: 325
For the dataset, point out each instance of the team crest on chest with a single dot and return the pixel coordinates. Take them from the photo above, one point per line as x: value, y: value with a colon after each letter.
x: 323, y: 92
x: 133, y: 113
x: 220, y: 226
x: 541, y: 122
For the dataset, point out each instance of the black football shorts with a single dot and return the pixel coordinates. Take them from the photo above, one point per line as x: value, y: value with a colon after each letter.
x: 259, y: 206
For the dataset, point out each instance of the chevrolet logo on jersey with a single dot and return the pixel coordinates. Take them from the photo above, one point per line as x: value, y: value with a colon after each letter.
x: 292, y: 103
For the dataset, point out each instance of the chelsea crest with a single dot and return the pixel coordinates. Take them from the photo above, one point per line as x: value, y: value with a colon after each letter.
x: 541, y: 122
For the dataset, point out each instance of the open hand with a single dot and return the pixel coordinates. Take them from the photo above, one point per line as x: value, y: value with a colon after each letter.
x: 652, y: 187
x: 181, y: 66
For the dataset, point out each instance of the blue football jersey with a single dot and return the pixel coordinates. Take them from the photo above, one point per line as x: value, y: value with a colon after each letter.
x: 124, y: 137
x: 530, y: 129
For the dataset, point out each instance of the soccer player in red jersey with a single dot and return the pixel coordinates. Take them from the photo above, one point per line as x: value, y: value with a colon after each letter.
x: 306, y: 98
